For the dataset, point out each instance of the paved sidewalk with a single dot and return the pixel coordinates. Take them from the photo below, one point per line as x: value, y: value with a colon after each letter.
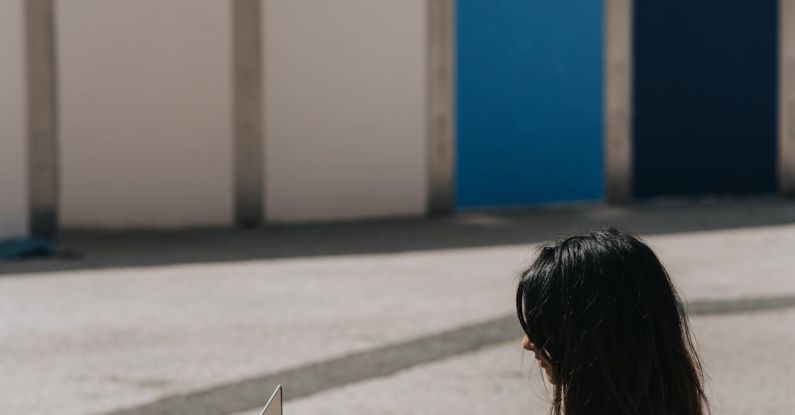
x: 216, y: 314
x: 501, y: 380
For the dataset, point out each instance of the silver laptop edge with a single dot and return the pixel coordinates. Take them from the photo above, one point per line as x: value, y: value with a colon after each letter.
x: 276, y: 402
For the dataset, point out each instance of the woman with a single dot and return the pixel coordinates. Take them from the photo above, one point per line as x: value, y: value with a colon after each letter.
x: 608, y: 329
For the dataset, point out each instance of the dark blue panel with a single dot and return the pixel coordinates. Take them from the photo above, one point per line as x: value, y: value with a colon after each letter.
x: 705, y: 97
x: 529, y: 101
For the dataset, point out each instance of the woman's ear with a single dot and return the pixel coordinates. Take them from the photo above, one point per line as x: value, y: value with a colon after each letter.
x: 527, y: 344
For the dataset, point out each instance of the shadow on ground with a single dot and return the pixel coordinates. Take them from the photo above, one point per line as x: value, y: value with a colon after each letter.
x: 312, y: 378
x: 94, y: 250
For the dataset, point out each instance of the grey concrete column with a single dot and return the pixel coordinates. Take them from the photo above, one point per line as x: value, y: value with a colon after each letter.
x: 441, y: 98
x: 42, y: 109
x: 247, y: 109
x: 786, y: 106
x: 618, y: 100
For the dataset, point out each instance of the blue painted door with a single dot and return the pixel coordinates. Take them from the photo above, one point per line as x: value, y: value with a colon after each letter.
x: 705, y: 95
x: 529, y: 101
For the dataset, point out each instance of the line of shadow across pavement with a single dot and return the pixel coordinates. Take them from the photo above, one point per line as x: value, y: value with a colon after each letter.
x: 306, y: 380
x: 96, y: 250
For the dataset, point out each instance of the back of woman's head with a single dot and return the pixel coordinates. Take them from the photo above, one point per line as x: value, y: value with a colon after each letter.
x: 603, y: 310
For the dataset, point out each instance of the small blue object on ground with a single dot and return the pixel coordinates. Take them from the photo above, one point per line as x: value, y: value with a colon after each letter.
x: 26, y: 247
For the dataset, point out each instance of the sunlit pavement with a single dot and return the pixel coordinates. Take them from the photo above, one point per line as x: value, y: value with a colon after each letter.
x: 187, y: 336
x: 499, y: 380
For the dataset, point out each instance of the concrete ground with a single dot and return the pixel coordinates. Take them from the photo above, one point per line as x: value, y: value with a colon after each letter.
x: 408, y: 317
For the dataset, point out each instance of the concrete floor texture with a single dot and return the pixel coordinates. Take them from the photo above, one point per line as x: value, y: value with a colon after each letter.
x: 406, y: 317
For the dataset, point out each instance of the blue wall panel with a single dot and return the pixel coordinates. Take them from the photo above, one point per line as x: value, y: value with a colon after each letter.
x: 529, y: 101
x: 705, y: 97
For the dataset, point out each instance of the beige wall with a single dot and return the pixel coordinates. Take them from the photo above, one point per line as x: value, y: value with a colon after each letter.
x: 145, y: 112
x: 344, y: 109
x: 13, y: 153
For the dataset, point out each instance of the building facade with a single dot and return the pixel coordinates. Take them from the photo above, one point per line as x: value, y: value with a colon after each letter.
x: 152, y: 114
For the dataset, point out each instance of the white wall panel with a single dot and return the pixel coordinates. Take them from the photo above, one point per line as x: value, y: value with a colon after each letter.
x: 344, y: 109
x: 145, y: 112
x: 13, y: 152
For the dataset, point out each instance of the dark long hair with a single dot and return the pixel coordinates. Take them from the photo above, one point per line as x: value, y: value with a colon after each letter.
x: 604, y: 309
